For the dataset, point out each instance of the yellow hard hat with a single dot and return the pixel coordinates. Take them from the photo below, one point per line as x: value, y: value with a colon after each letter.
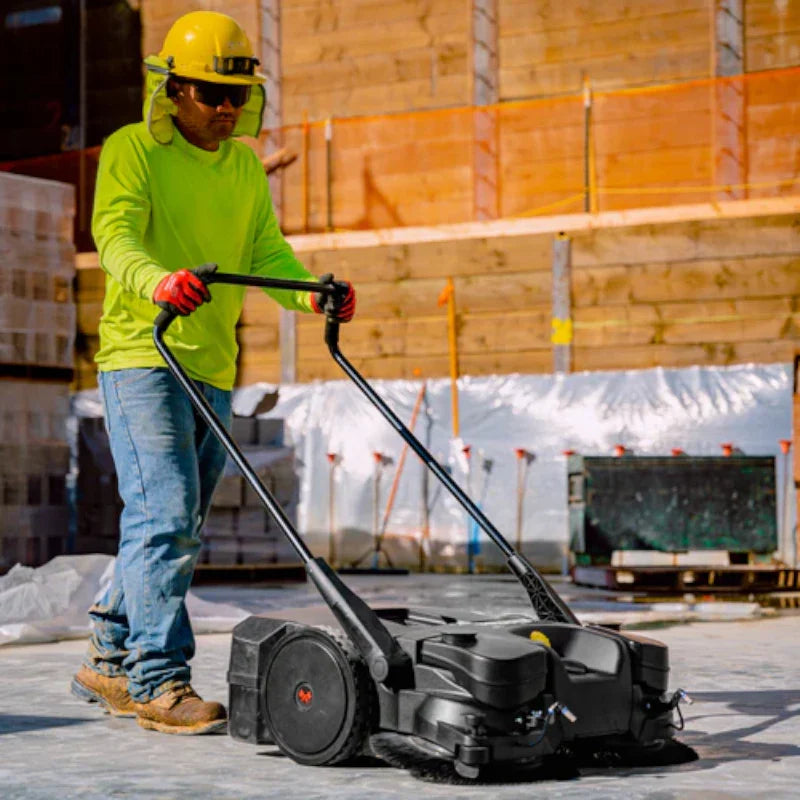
x: 209, y: 46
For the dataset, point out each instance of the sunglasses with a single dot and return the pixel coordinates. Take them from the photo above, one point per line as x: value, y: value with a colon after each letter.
x: 214, y: 94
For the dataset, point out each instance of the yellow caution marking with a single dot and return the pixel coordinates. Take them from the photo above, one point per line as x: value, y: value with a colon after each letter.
x: 562, y: 331
x: 538, y: 636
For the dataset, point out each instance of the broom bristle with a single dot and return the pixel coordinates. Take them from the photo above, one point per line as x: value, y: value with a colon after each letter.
x: 402, y: 752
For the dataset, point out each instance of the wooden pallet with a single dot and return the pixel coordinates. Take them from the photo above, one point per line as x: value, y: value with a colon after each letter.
x: 749, y: 578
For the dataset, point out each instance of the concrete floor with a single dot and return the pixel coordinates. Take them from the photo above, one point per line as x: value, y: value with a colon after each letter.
x: 743, y: 675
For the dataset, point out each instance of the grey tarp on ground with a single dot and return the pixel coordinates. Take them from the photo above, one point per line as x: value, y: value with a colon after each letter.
x: 50, y: 602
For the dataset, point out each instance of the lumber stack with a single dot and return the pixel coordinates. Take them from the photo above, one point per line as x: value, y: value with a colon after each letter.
x: 548, y: 49
x: 347, y: 58
x: 710, y: 292
x: 651, y: 147
x: 676, y: 286
x: 350, y: 57
x: 703, y: 290
x: 37, y: 335
x: 772, y: 34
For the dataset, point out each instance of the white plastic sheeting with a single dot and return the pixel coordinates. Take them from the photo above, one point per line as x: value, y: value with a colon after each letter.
x: 50, y: 602
x: 649, y: 411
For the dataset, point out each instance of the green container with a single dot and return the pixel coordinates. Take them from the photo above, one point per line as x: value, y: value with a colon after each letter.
x: 671, y: 504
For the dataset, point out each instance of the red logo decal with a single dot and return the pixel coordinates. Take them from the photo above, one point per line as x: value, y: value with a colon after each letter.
x: 304, y: 696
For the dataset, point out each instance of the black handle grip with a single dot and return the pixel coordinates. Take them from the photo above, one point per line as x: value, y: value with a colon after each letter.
x: 332, y: 332
x: 164, y: 320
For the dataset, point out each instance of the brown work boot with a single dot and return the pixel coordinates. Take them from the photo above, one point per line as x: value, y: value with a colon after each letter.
x: 180, y: 710
x: 110, y: 692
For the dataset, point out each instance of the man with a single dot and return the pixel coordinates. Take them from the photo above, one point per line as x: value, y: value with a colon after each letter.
x: 173, y: 192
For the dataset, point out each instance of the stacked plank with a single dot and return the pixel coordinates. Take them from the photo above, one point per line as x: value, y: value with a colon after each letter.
x: 772, y: 127
x: 651, y: 147
x: 346, y: 57
x: 549, y: 48
x: 772, y: 34
x: 705, y: 290
x: 701, y: 284
x: 349, y: 57
x: 37, y: 334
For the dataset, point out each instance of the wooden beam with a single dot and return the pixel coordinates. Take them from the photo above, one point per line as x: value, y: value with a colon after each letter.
x: 550, y: 224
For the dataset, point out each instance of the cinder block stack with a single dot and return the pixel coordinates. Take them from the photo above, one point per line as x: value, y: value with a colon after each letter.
x: 97, y: 501
x: 37, y: 337
x: 238, y: 529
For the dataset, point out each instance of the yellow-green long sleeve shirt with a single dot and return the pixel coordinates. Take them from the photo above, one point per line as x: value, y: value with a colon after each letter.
x: 160, y: 208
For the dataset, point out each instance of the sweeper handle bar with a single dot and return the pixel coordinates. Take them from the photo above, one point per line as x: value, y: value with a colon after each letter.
x: 546, y: 602
x: 387, y: 662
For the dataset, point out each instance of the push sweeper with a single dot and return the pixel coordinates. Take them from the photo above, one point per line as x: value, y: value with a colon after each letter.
x: 472, y: 691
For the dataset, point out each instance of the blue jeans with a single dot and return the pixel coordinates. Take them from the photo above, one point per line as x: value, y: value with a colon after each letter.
x: 168, y: 463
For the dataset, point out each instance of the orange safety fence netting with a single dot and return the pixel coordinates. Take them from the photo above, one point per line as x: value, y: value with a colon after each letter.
x: 699, y: 141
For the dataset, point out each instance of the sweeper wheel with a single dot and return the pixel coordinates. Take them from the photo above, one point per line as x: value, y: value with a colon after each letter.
x: 318, y: 697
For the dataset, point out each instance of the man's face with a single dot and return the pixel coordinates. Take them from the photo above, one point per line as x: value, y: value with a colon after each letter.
x: 206, y: 113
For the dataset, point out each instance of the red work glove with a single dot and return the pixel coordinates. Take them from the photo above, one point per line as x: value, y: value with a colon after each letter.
x: 183, y: 291
x: 341, y: 305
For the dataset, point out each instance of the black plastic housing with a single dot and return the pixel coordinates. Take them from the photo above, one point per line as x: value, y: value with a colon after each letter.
x: 480, y: 688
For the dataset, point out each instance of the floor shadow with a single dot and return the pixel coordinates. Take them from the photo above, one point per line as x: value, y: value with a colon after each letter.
x: 362, y: 761
x: 19, y: 723
x: 771, y: 706
x: 690, y: 751
x: 713, y: 749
